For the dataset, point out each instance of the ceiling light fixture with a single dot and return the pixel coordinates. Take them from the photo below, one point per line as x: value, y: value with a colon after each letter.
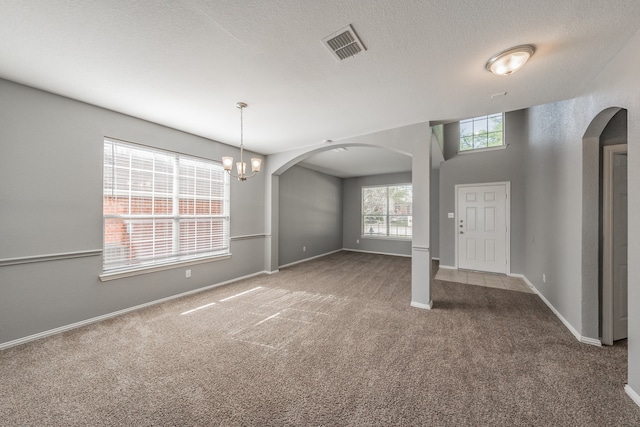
x: 511, y: 60
x: 241, y: 166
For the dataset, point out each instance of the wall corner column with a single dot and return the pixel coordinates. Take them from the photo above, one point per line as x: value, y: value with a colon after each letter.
x: 420, y: 253
x: 272, y: 204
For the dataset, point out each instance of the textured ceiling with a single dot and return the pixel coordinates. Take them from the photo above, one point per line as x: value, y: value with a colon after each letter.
x: 185, y: 63
x: 358, y: 161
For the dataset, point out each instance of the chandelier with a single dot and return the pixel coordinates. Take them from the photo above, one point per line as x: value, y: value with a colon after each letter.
x: 241, y: 166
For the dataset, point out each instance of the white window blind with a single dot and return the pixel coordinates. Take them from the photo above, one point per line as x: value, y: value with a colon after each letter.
x: 161, y: 207
x: 387, y: 211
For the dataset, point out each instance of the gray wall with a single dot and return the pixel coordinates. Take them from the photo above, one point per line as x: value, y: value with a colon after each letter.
x: 310, y: 209
x: 554, y: 197
x: 488, y: 166
x: 51, y: 202
x: 564, y: 206
x: 352, y: 206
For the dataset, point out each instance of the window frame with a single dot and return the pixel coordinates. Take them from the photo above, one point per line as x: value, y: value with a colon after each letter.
x: 184, y: 247
x: 482, y: 134
x: 387, y: 215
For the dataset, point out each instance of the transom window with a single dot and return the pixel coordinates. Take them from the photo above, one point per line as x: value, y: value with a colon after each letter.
x: 482, y: 132
x: 161, y: 207
x: 387, y: 211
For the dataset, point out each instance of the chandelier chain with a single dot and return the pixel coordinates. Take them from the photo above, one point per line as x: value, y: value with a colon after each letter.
x: 241, y: 127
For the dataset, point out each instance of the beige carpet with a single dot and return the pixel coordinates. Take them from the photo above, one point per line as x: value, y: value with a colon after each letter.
x: 330, y: 342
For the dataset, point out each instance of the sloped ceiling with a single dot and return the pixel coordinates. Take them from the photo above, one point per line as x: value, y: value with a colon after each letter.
x: 185, y: 63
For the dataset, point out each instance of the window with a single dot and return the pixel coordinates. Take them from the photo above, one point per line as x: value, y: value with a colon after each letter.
x: 161, y: 207
x: 387, y: 211
x: 482, y: 132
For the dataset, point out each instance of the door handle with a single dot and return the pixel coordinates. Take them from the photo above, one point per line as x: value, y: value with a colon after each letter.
x: 461, y: 232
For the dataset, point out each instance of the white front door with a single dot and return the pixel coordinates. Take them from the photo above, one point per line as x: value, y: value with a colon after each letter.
x: 482, y: 227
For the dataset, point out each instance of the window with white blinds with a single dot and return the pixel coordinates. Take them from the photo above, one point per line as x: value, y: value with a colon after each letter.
x: 387, y: 211
x: 161, y: 207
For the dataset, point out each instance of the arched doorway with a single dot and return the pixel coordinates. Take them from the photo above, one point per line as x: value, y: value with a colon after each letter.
x: 608, y: 129
x: 320, y: 202
x: 413, y: 140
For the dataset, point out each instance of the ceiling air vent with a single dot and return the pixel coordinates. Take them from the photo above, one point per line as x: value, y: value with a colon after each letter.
x: 344, y: 43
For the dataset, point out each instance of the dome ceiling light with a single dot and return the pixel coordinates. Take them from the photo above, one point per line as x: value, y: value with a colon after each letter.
x: 511, y: 60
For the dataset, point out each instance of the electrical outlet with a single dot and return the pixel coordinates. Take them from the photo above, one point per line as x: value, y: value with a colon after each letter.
x: 544, y: 278
x: 304, y: 249
x: 357, y: 241
x: 187, y: 274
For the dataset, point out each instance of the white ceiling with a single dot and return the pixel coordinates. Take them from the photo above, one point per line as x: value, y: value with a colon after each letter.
x: 185, y: 63
x: 358, y: 161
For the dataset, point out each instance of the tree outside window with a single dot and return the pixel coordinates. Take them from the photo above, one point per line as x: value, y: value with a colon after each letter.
x: 387, y: 211
x: 482, y: 132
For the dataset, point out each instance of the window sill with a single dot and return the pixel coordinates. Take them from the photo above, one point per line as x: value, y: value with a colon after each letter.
x: 483, y: 150
x: 398, y: 239
x: 105, y: 277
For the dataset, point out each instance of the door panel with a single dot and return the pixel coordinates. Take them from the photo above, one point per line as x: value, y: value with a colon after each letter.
x: 482, y: 227
x: 471, y: 219
x: 471, y: 249
x: 490, y: 219
x: 490, y: 250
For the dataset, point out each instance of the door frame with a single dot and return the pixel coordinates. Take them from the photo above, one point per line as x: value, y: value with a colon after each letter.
x: 608, y: 155
x: 507, y: 247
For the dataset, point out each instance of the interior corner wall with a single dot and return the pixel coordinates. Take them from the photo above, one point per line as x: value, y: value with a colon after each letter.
x: 554, y: 205
x: 498, y: 165
x: 352, y: 208
x: 310, y: 220
x: 51, y: 203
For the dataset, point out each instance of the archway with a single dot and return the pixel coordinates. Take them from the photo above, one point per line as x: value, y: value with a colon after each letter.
x: 608, y: 127
x: 413, y: 140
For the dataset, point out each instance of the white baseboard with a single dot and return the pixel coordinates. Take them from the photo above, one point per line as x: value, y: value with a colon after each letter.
x: 421, y: 305
x: 590, y: 341
x: 584, y: 340
x: 373, y: 252
x: 632, y: 394
x: 309, y: 259
x: 86, y: 322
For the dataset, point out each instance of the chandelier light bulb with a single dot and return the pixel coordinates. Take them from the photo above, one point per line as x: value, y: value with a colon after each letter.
x: 255, y: 164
